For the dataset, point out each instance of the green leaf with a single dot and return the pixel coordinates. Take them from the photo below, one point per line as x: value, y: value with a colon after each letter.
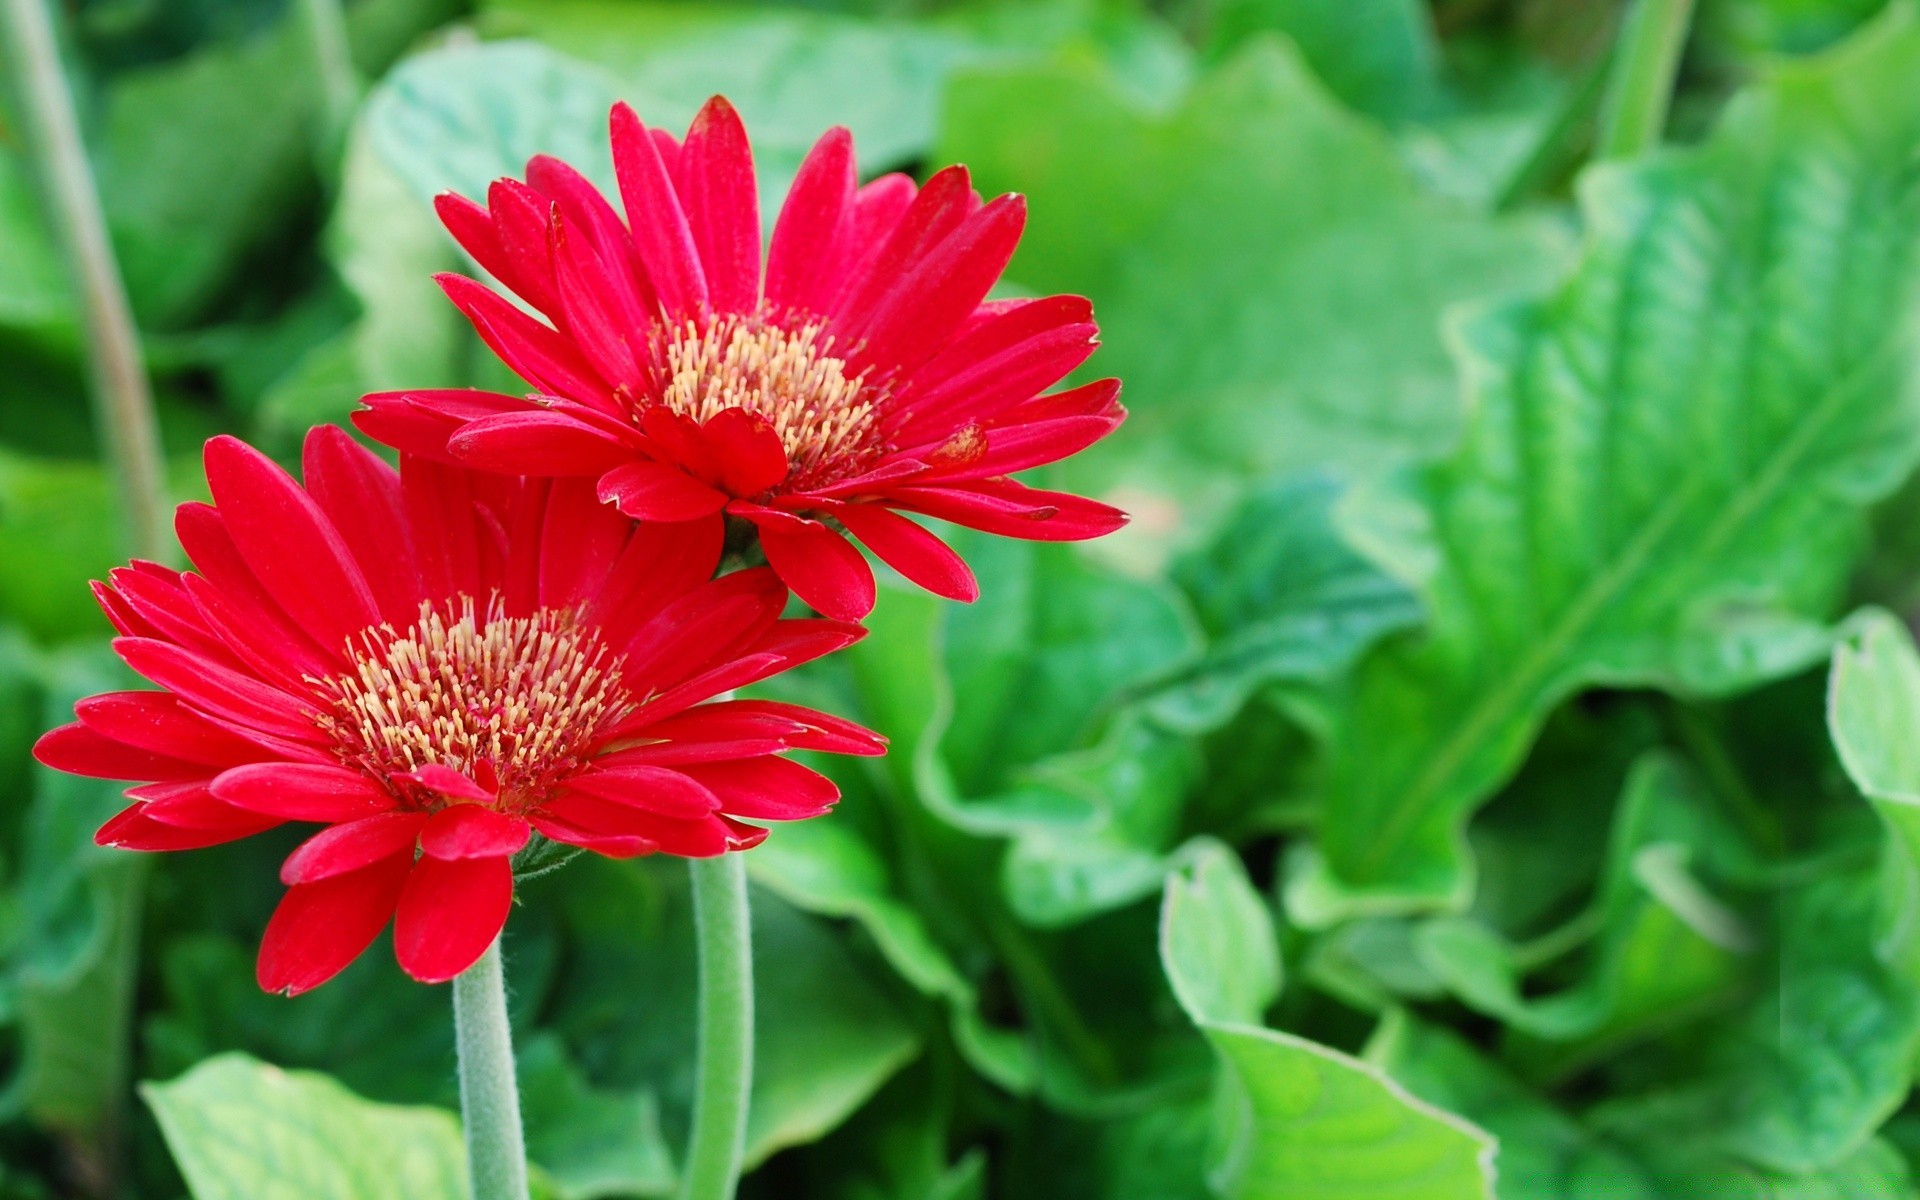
x: 794, y: 74
x: 1544, y: 1153
x: 34, y: 293
x: 1281, y: 596
x: 196, y: 180
x: 1044, y: 654
x: 460, y: 116
x: 1664, y: 479
x: 1297, y: 1120
x: 1873, y: 711
x: 240, y: 1129
x: 69, y: 969
x: 591, y: 1143
x: 825, y: 1036
x: 1666, y: 946
x: 1379, y: 56
x: 1269, y: 277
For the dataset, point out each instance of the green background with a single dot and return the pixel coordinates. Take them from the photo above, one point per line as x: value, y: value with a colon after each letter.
x: 1486, y: 767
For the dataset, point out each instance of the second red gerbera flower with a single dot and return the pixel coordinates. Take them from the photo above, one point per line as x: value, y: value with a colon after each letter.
x: 860, y: 376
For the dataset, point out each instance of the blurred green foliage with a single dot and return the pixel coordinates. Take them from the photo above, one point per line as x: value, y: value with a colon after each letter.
x: 1430, y: 795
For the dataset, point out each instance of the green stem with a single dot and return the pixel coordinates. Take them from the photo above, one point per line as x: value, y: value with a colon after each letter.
x: 326, y: 27
x: 489, y: 1094
x: 724, y: 931
x: 123, y: 403
x: 1641, y: 88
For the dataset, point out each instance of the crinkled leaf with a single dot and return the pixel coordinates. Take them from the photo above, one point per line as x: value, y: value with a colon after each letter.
x: 590, y: 1142
x: 1664, y: 477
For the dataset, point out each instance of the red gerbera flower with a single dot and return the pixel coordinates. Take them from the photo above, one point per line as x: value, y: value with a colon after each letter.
x: 436, y: 663
x: 861, y: 375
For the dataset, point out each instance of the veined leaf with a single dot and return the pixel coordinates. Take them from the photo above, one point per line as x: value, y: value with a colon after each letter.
x: 240, y: 1129
x: 1664, y: 478
x: 1297, y: 1120
x: 1269, y: 276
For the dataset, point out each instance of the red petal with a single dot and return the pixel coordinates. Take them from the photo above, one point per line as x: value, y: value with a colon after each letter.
x: 654, y: 215
x: 722, y: 205
x: 940, y: 207
x: 801, y: 263
x: 360, y: 495
x: 219, y: 692
x: 290, y: 546
x: 352, y: 846
x: 530, y: 349
x: 470, y: 831
x: 656, y: 789
x: 157, y: 722
x: 613, y: 845
x: 1012, y: 510
x: 767, y: 789
x: 912, y: 550
x: 820, y: 566
x: 536, y: 443
x: 450, y: 912
x: 321, y: 927
x: 449, y: 783
x: 926, y: 308
x: 606, y: 315
x: 78, y: 750
x: 663, y: 561
x: 133, y: 829
x: 580, y: 541
x: 303, y: 792
x: 651, y: 491
x: 752, y: 457
x: 702, y: 627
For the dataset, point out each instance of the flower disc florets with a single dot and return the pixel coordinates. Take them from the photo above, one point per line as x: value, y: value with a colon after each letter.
x: 826, y: 416
x: 515, y: 702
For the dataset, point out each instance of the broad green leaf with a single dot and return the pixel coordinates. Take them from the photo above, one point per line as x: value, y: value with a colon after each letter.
x: 1544, y: 1154
x: 240, y: 1129
x: 1693, y: 1166
x: 460, y: 116
x: 1092, y: 831
x: 203, y: 160
x: 591, y: 1143
x: 1044, y: 654
x: 1663, y: 481
x: 1297, y: 1120
x: 34, y: 293
x: 794, y: 74
x: 1665, y: 944
x: 1269, y: 279
x: 69, y: 970
x: 1281, y: 597
x: 825, y: 1036
x: 1380, y: 56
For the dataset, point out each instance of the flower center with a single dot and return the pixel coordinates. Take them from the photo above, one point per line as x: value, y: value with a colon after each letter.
x: 828, y: 421
x: 513, y: 701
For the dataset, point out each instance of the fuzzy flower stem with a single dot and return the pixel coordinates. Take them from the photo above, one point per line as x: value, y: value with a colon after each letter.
x: 1640, y: 90
x: 123, y: 402
x: 724, y: 933
x: 489, y: 1094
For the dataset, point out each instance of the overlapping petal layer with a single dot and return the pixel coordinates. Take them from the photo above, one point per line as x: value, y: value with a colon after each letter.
x: 438, y: 664
x: 860, y: 375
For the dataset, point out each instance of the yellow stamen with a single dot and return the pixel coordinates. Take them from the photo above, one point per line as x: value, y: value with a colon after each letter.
x: 526, y: 696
